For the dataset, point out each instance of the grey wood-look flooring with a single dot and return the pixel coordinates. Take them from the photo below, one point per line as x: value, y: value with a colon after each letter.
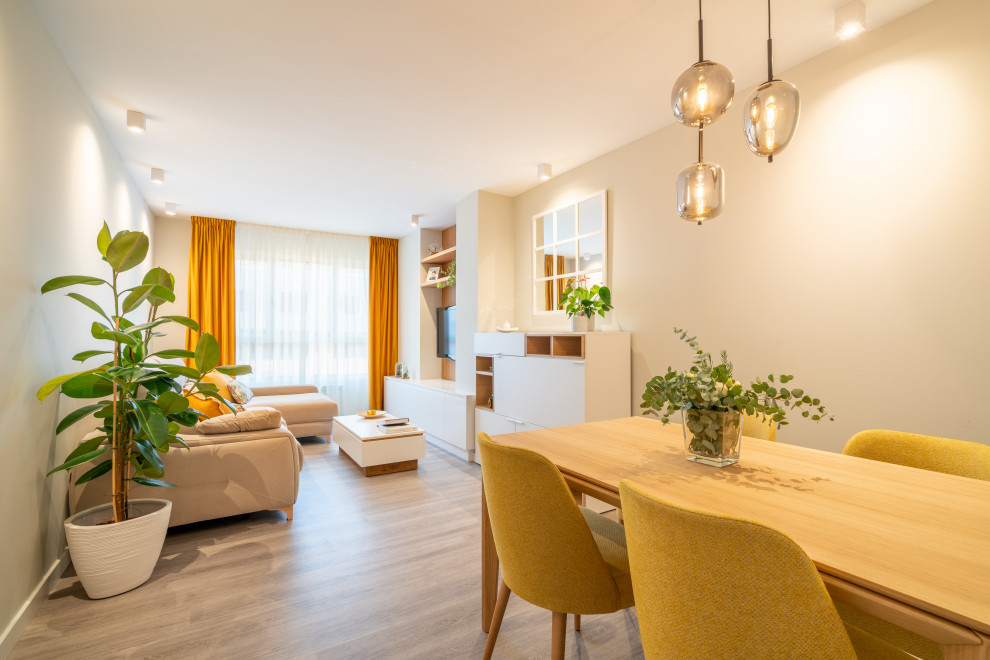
x: 371, y: 567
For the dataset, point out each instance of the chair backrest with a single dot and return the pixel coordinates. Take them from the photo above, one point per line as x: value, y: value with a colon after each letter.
x: 959, y: 457
x: 546, y: 551
x: 756, y: 427
x: 714, y: 586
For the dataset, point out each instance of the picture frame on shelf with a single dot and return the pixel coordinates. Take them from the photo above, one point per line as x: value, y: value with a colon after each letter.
x: 433, y: 274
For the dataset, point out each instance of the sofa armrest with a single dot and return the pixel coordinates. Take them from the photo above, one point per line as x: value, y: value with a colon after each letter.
x: 278, y: 390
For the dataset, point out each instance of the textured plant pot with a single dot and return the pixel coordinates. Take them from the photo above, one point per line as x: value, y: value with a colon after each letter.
x: 582, y: 323
x: 712, y: 437
x: 117, y: 557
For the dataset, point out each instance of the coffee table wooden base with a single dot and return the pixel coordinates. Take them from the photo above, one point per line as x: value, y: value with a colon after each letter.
x: 385, y: 468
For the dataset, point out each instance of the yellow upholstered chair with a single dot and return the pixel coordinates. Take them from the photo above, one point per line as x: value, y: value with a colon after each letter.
x: 552, y: 553
x: 714, y: 586
x: 756, y: 427
x: 958, y: 457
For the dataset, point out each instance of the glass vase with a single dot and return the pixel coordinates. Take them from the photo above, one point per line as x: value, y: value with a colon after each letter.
x: 712, y: 437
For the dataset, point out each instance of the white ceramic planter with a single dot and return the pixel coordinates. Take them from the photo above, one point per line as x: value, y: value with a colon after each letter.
x: 582, y: 323
x: 114, y: 558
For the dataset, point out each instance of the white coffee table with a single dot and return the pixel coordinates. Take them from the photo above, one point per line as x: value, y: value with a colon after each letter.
x: 374, y: 451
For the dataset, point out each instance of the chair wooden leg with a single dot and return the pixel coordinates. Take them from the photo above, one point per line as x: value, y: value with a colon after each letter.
x: 559, y: 635
x: 503, y: 599
x: 577, y: 622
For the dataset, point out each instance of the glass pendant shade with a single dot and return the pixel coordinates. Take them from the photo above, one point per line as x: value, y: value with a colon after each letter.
x: 700, y: 192
x: 702, y: 94
x: 770, y: 117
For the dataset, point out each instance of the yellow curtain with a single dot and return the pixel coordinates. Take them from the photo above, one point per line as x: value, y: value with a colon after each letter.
x: 211, y: 284
x: 548, y: 271
x: 383, y: 315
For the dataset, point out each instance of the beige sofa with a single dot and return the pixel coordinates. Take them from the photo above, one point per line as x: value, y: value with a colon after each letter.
x: 227, y: 474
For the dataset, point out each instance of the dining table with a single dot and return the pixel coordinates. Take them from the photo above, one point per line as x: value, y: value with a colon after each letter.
x: 907, y: 545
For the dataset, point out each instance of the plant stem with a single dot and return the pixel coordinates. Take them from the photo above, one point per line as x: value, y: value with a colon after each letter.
x: 119, y: 460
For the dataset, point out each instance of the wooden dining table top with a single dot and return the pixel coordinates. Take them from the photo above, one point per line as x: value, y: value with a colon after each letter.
x: 919, y: 537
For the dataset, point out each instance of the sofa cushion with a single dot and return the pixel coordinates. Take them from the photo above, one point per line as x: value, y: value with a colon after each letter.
x: 222, y: 381
x: 256, y: 419
x: 240, y: 392
x: 206, y: 405
x: 298, y: 408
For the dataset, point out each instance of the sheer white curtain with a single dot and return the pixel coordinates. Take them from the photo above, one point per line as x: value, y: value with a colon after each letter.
x: 302, y: 310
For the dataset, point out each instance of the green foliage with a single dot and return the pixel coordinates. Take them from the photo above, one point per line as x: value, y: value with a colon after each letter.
x: 141, y: 404
x: 579, y: 300
x: 450, y: 272
x: 707, y: 385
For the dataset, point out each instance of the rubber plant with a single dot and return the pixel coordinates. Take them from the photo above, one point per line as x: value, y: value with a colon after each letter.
x: 141, y: 404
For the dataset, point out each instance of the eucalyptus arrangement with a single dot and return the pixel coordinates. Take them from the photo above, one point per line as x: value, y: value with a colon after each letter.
x: 141, y: 404
x: 579, y: 300
x: 450, y: 273
x: 707, y: 389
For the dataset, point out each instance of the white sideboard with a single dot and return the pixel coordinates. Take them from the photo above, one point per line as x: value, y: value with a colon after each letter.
x: 528, y: 380
x: 435, y: 406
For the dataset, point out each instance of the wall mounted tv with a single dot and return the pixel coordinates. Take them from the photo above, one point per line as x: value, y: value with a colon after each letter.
x: 446, y: 332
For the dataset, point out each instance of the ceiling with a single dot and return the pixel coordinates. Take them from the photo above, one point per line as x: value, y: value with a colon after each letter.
x: 351, y: 116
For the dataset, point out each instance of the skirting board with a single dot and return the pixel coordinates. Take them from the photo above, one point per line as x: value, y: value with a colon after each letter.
x: 449, y: 448
x: 24, y: 615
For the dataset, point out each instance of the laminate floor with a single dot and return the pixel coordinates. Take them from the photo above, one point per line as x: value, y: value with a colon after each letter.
x: 380, y: 567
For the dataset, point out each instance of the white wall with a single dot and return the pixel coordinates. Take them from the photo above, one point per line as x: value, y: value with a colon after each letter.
x: 856, y: 261
x: 60, y: 177
x: 171, y: 252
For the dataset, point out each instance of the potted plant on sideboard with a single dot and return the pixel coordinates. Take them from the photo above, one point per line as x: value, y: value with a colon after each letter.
x: 712, y: 404
x: 581, y: 304
x: 141, y: 406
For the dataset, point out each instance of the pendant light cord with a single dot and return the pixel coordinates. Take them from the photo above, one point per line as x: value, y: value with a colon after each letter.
x: 701, y: 35
x: 769, y: 46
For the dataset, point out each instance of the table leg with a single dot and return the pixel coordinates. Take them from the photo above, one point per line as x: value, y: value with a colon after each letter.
x: 489, y: 565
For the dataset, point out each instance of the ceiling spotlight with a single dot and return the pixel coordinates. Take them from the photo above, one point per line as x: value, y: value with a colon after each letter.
x: 157, y: 175
x: 543, y: 171
x: 850, y: 19
x: 169, y: 208
x: 415, y: 219
x: 135, y: 121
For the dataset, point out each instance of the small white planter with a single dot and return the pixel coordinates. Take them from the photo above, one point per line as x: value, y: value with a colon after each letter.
x: 113, y: 558
x: 582, y: 323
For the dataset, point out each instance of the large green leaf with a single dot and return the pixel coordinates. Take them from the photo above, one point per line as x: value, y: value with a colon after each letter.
x: 150, y: 456
x: 87, y: 386
x: 56, y: 382
x: 86, y: 447
x: 85, y: 355
x: 98, y: 471
x: 235, y: 369
x: 103, y: 239
x: 144, y: 326
x: 152, y: 420
x: 170, y: 353
x: 171, y: 403
x: 162, y: 278
x: 78, y: 460
x: 179, y: 370
x: 145, y: 481
x: 69, y: 280
x: 184, y: 320
x: 76, y: 415
x: 89, y: 303
x: 127, y: 250
x: 135, y: 297
x: 101, y: 331
x: 207, y: 353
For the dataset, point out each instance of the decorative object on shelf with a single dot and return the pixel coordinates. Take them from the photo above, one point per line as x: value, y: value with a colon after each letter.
x: 505, y: 327
x: 449, y: 275
x: 433, y: 274
x: 434, y: 247
x: 398, y: 369
x: 140, y: 408
x: 581, y: 304
x: 772, y: 111
x: 712, y: 404
x: 700, y: 96
x: 405, y: 373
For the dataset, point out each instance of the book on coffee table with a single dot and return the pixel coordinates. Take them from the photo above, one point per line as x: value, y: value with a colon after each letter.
x: 394, y: 421
x: 400, y: 428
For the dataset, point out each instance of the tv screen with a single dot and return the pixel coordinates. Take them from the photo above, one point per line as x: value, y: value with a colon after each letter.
x: 446, y: 332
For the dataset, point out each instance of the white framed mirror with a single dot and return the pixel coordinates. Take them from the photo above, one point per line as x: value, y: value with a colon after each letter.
x: 570, y: 243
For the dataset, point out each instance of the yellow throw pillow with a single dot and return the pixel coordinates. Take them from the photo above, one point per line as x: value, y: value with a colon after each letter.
x: 221, y: 381
x: 208, y: 405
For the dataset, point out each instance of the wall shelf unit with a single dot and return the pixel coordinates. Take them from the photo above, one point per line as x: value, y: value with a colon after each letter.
x: 441, y: 257
x: 434, y: 282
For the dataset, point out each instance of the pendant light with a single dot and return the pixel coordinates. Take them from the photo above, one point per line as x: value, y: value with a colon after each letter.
x: 771, y: 113
x: 700, y: 96
x: 704, y: 92
x: 700, y: 188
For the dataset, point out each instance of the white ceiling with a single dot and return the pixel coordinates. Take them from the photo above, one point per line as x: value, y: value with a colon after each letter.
x: 350, y: 116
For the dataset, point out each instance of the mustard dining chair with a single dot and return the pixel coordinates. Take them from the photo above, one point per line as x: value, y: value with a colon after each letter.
x: 715, y: 586
x: 756, y: 427
x: 553, y: 553
x: 958, y: 457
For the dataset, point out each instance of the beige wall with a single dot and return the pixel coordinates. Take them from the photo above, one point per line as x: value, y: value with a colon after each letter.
x: 857, y: 261
x: 171, y: 252
x: 60, y: 177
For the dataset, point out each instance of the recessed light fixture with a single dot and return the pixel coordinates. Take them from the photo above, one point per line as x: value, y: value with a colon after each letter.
x: 169, y: 208
x: 415, y: 219
x: 543, y: 171
x: 135, y: 121
x: 157, y: 175
x: 850, y: 19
